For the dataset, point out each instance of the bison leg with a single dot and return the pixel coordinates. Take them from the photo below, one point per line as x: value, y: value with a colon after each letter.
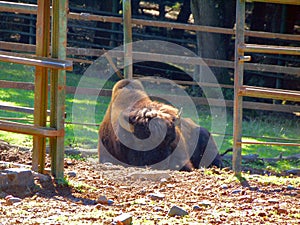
x: 206, y: 153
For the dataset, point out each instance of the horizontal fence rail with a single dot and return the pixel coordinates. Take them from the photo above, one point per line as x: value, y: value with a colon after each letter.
x: 272, y: 93
x: 107, y: 93
x: 175, y: 59
x: 30, y: 129
x: 291, y: 2
x: 269, y: 49
x: 28, y: 60
x: 268, y: 143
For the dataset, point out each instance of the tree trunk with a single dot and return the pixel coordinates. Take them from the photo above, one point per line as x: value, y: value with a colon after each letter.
x: 217, y: 13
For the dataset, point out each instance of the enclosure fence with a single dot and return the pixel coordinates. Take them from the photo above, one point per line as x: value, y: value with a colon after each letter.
x: 241, y: 90
x: 54, y: 38
x: 88, y: 52
x: 57, y: 63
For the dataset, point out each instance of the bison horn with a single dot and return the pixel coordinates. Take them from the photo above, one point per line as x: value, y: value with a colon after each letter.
x: 177, y: 121
x: 179, y: 113
x: 124, y: 123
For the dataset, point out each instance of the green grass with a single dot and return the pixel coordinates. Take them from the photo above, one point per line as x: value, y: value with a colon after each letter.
x: 260, y: 127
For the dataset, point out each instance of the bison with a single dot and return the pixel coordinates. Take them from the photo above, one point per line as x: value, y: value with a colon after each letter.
x: 138, y: 131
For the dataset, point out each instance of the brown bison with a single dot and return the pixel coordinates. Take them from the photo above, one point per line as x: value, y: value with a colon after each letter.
x: 137, y: 131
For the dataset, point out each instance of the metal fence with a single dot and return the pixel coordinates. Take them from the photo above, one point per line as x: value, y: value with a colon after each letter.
x: 44, y: 63
x: 241, y: 90
x: 82, y: 53
x: 86, y: 55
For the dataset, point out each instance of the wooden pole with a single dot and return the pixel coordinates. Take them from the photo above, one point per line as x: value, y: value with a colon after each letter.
x: 58, y: 86
x: 127, y: 31
x: 41, y: 84
x: 238, y: 82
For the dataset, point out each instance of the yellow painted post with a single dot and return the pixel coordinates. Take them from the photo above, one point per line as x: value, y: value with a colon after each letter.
x: 41, y: 84
x: 58, y: 85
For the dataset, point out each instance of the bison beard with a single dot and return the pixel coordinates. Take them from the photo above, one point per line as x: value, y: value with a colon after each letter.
x: 137, y: 131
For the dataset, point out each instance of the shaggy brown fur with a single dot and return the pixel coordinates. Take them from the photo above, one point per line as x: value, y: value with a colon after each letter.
x: 137, y: 131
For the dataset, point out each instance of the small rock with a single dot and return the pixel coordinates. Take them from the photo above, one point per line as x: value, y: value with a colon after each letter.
x: 10, y: 200
x: 72, y: 174
x: 150, y: 175
x: 162, y: 189
x: 205, y: 203
x: 110, y: 202
x: 236, y: 191
x: 157, y: 209
x: 142, y: 192
x: 170, y: 185
x: 163, y: 180
x: 224, y: 186
x: 8, y: 197
x: 226, y: 169
x: 70, y: 163
x: 282, y: 211
x: 294, y: 172
x: 17, y: 177
x: 196, y: 207
x: 124, y: 187
x: 273, y: 200
x: 42, y: 177
x: 246, y: 198
x: 259, y: 200
x: 262, y: 214
x: 207, y: 188
x: 98, y: 206
x: 290, y: 187
x: 124, y: 219
x: 177, y: 211
x: 104, y: 200
x: 156, y: 196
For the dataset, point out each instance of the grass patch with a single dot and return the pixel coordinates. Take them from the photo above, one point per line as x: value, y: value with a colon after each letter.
x: 81, y: 186
x: 268, y: 180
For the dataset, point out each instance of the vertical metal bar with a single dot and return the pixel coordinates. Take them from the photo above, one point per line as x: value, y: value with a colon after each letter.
x: 127, y: 30
x: 58, y: 85
x: 31, y: 30
x: 41, y: 84
x: 238, y: 82
x: 279, y: 61
x: 114, y: 26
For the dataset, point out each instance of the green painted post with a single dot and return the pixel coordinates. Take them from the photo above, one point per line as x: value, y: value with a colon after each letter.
x: 238, y: 82
x: 127, y: 31
x: 58, y: 85
x: 41, y: 84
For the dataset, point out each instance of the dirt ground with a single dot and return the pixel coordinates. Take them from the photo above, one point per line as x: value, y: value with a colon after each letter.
x: 97, y: 193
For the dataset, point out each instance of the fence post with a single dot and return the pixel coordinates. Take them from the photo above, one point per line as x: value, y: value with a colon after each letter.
x: 238, y: 82
x: 58, y: 85
x: 127, y: 31
x: 41, y: 84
